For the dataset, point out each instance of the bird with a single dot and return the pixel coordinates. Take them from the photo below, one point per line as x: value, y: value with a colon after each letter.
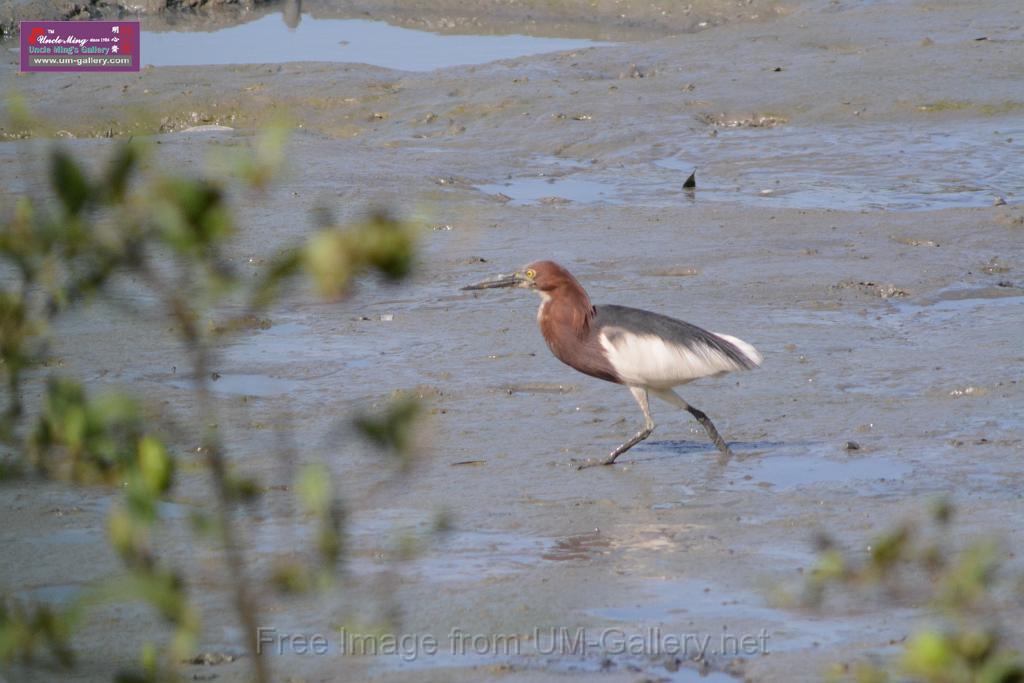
x: 645, y: 351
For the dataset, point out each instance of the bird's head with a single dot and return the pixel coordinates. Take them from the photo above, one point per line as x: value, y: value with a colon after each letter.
x: 542, y: 276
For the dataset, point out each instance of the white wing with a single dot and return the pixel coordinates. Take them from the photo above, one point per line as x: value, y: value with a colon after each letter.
x: 650, y: 361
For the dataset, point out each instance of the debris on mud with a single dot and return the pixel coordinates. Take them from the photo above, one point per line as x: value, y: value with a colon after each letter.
x: 212, y: 658
x: 968, y: 391
x: 911, y: 242
x: 245, y: 322
x: 753, y: 121
x: 995, y: 266
x: 885, y: 291
x: 539, y: 388
x: 636, y: 71
x: 691, y: 182
x: 452, y: 181
x: 678, y: 271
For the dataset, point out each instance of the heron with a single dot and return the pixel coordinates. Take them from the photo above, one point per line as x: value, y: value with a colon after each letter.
x: 647, y: 352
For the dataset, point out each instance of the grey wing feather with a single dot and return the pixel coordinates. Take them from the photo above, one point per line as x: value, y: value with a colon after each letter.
x: 642, y: 322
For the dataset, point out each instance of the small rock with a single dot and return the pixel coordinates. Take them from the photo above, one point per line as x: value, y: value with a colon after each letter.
x: 635, y: 71
x: 852, y: 446
x: 994, y: 266
x: 999, y: 201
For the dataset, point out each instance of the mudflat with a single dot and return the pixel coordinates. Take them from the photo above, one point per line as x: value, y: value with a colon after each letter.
x: 857, y: 217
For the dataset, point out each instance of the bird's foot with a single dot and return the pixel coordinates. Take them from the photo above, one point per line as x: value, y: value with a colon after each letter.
x: 590, y: 462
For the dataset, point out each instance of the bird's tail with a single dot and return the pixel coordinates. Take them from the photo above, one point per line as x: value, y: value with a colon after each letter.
x: 752, y: 354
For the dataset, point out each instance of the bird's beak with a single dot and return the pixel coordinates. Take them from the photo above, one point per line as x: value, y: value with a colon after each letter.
x: 510, y: 280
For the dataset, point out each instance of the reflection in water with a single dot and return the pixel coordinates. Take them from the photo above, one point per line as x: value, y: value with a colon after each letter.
x: 291, y: 14
x: 578, y: 547
x: 264, y: 41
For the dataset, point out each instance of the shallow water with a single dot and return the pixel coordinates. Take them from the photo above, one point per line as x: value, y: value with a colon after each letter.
x: 925, y: 382
x: 552, y: 190
x: 246, y: 384
x: 872, y: 167
x: 269, y: 40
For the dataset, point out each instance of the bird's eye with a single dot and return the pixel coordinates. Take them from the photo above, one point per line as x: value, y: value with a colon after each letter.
x: 531, y: 273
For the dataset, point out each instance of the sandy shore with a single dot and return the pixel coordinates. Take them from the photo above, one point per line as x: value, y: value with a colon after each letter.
x: 897, y: 329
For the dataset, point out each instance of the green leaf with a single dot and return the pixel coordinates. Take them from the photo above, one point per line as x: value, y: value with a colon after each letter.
x: 69, y: 182
x: 387, y: 245
x: 889, y: 549
x: 154, y: 465
x: 928, y: 655
x: 122, y: 164
x: 313, y: 487
x: 394, y: 428
x: 329, y: 261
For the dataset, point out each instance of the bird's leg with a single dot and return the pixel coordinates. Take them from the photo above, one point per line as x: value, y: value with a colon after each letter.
x: 677, y: 400
x: 640, y: 394
x: 709, y: 427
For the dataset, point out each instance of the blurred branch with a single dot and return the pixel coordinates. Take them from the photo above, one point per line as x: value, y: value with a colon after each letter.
x: 99, y: 231
x: 917, y: 562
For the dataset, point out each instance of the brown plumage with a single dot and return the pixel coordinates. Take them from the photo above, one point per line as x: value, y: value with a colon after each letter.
x: 565, y: 317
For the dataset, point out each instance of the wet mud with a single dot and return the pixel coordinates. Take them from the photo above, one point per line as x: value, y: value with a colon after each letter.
x: 845, y: 222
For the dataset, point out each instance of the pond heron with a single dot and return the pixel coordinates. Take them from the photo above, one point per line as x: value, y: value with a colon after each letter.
x: 647, y: 352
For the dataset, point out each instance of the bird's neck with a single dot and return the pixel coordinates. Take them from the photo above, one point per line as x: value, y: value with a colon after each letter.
x: 564, y: 313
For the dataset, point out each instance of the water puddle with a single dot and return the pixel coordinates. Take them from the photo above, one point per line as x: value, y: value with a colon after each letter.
x: 476, y: 555
x: 688, y: 600
x: 761, y: 465
x: 792, y: 472
x: 457, y: 555
x: 664, y: 604
x: 869, y: 167
x: 57, y: 594
x: 269, y: 40
x: 958, y: 300
x: 245, y: 385
x: 545, y: 190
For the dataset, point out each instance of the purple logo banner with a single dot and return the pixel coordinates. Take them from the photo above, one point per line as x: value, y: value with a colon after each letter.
x: 80, y: 46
